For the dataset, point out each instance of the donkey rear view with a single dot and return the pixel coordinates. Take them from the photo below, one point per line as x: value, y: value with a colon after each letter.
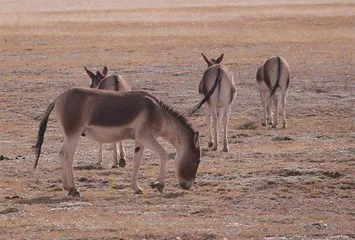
x: 219, y: 90
x: 272, y: 74
x: 114, y: 83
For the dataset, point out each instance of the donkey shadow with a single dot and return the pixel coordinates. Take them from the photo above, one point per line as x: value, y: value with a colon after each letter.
x: 89, y: 167
x: 45, y: 200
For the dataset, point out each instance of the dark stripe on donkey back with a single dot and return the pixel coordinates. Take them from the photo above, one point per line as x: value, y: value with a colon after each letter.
x: 277, y: 84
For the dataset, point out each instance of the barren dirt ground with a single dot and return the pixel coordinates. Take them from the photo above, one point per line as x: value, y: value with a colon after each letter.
x: 294, y: 183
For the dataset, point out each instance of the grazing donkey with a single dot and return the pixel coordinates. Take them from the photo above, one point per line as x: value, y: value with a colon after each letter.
x: 272, y: 74
x: 107, y: 116
x: 114, y: 83
x: 219, y: 101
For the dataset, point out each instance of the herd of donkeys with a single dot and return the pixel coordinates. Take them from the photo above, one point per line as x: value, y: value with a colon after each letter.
x: 119, y: 114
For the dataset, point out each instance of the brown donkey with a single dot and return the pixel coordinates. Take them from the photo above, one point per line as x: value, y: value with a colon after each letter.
x: 219, y: 90
x: 114, y: 83
x: 272, y: 74
x: 107, y: 116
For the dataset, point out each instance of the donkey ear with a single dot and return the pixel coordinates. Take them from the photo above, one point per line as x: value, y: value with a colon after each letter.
x: 104, y: 72
x: 206, y: 60
x: 219, y: 60
x: 99, y: 75
x: 91, y: 75
x: 197, y: 139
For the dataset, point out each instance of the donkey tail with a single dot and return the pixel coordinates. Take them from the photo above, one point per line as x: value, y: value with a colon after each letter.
x: 209, y: 94
x: 117, y: 83
x: 277, y: 84
x: 41, y: 131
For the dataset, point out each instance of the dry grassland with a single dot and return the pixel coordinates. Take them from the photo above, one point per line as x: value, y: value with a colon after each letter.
x: 266, y: 187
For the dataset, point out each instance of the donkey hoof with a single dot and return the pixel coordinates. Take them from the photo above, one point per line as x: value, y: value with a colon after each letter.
x: 73, y: 193
x: 139, y: 191
x: 210, y: 144
x: 158, y: 186
x: 225, y: 149
x: 263, y: 124
x: 122, y: 162
x: 274, y: 126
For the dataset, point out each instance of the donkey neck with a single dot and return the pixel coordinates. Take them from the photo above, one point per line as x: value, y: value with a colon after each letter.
x: 177, y: 132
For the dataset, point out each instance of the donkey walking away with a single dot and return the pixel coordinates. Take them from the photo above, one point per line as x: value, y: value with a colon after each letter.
x: 107, y: 116
x: 219, y: 90
x: 273, y: 74
x: 114, y: 83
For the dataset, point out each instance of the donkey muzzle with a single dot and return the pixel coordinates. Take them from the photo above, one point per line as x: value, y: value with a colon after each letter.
x: 185, y: 185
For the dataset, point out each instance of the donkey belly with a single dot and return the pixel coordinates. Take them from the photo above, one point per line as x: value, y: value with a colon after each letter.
x: 109, y: 134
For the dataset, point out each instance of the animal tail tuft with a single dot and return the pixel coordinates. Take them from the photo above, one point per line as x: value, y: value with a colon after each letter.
x: 42, y: 129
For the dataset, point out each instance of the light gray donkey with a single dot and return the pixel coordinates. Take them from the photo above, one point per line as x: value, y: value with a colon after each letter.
x: 272, y: 74
x: 114, y: 83
x: 219, y: 90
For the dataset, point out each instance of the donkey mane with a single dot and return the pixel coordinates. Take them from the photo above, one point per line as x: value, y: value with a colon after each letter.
x: 179, y: 116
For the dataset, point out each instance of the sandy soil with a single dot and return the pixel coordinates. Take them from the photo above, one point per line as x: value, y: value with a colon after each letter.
x: 294, y: 183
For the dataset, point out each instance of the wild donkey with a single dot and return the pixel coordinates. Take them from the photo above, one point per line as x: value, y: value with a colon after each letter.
x: 272, y: 74
x: 114, y: 83
x: 219, y: 102
x: 107, y: 116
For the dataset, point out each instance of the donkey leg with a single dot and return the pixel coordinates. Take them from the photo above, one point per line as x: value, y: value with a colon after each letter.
x: 137, y: 159
x: 283, y: 109
x: 225, y: 120
x: 276, y: 104
x: 215, y: 127
x: 265, y: 110
x: 99, y: 155
x: 218, y: 123
x: 150, y: 142
x: 215, y: 123
x: 122, y: 161
x: 66, y: 156
x: 270, y: 119
x: 208, y: 122
x: 114, y: 155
